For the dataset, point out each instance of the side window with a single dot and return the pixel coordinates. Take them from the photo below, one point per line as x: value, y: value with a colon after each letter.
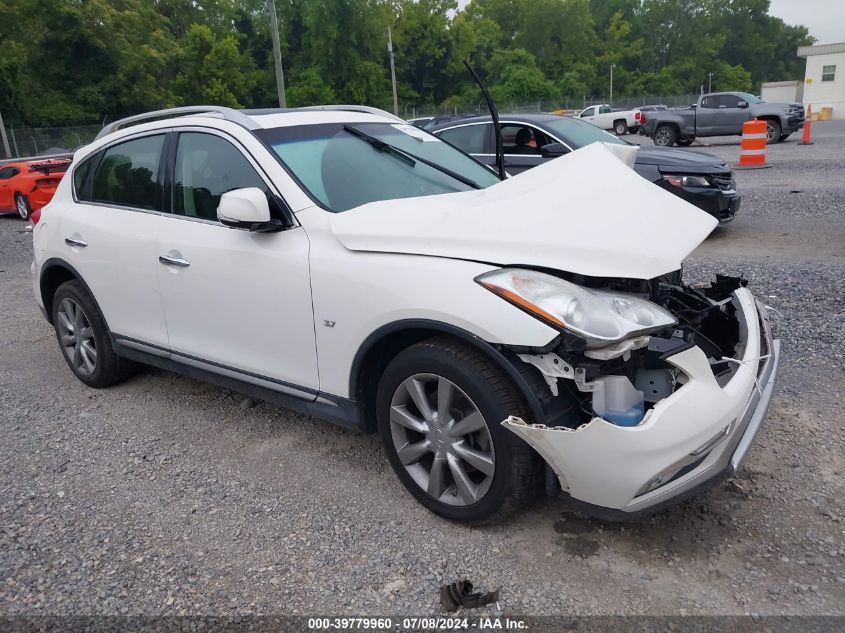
x: 729, y: 101
x: 709, y: 102
x: 587, y: 112
x: 80, y: 176
x: 604, y: 110
x: 7, y: 172
x: 208, y: 166
x: 128, y: 174
x: 518, y: 138
x: 469, y: 138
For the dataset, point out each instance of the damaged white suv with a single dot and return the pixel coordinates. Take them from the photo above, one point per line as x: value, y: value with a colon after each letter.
x: 343, y: 263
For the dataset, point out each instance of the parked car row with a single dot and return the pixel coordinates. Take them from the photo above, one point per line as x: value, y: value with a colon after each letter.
x: 533, y: 139
x: 346, y: 264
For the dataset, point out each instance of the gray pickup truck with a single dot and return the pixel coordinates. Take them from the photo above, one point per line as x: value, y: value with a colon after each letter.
x: 722, y: 114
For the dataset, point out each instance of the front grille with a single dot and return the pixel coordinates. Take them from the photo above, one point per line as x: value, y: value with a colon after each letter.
x: 724, y: 182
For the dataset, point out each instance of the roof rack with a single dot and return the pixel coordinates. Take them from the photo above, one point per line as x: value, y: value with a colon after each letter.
x: 230, y: 114
x: 241, y: 117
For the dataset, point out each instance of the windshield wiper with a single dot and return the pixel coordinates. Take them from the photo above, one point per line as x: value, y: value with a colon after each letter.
x: 408, y: 157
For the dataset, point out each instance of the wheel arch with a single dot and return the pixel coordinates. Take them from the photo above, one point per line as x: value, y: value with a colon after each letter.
x: 55, y: 272
x: 385, y: 343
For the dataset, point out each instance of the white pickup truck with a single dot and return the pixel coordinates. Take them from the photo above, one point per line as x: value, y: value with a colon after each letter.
x: 621, y: 122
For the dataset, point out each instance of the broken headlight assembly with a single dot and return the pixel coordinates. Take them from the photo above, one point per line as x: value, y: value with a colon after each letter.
x: 597, y: 316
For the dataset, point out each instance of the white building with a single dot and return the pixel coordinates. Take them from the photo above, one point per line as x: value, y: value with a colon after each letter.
x: 782, y: 91
x: 824, y: 79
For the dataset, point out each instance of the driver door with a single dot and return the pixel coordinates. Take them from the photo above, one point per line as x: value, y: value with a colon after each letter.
x: 235, y: 302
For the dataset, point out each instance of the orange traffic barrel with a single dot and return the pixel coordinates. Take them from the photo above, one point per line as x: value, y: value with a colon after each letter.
x: 752, y: 151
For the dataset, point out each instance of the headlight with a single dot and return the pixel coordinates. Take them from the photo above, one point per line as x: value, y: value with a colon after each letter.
x: 687, y: 181
x: 597, y: 316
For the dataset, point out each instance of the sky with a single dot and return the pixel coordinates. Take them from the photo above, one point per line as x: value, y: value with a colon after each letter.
x: 824, y: 18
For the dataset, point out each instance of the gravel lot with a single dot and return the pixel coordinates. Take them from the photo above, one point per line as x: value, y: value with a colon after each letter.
x: 168, y: 496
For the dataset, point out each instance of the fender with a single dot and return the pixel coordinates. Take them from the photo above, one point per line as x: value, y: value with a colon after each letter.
x: 57, y: 262
x: 519, y: 379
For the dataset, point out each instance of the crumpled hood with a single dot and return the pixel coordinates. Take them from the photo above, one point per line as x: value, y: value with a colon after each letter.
x: 586, y: 212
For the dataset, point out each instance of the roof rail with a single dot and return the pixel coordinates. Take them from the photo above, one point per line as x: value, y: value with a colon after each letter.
x: 355, y: 108
x: 230, y: 114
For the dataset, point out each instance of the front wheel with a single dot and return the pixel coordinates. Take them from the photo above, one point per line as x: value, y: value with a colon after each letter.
x: 773, y: 131
x: 620, y: 127
x: 22, y: 205
x: 440, y: 405
x: 665, y: 136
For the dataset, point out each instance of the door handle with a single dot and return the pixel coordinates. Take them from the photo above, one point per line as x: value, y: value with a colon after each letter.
x: 167, y: 260
x: 72, y: 241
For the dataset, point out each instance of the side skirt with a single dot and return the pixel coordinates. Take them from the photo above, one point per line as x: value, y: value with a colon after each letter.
x: 340, y: 411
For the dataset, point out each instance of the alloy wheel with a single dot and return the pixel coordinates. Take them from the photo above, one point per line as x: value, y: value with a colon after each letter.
x: 23, y: 210
x: 662, y: 137
x: 770, y: 133
x: 77, y: 337
x: 442, y: 439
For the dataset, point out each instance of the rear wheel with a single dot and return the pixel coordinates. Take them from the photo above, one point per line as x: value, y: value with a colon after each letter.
x: 84, y: 339
x: 440, y: 405
x: 665, y: 136
x: 773, y: 131
x: 22, y: 205
x: 620, y: 127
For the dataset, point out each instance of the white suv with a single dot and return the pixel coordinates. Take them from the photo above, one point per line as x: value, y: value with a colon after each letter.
x: 343, y: 263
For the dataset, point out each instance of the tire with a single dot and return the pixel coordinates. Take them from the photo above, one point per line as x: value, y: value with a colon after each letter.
x: 665, y: 136
x: 479, y: 393
x: 773, y: 131
x: 620, y: 127
x: 22, y: 205
x: 783, y: 137
x: 685, y: 142
x: 95, y: 362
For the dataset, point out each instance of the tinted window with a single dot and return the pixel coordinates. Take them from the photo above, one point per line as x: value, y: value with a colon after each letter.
x: 710, y: 102
x: 577, y: 134
x: 588, y: 112
x: 469, y: 138
x: 80, y: 175
x: 342, y: 170
x: 7, y: 172
x: 208, y: 166
x: 518, y: 138
x: 128, y: 174
x: 729, y: 101
x: 604, y: 110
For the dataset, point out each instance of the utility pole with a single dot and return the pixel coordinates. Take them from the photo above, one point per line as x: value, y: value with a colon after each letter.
x: 611, y: 84
x: 709, y: 82
x: 5, y: 139
x: 392, y: 71
x: 277, y: 55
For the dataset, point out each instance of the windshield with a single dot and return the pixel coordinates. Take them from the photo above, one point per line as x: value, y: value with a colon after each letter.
x: 577, y: 133
x: 342, y: 170
x: 748, y: 97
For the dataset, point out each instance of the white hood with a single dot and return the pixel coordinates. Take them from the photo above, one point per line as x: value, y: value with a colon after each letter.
x: 587, y: 213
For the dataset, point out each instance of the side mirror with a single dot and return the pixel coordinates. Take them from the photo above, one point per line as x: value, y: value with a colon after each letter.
x: 553, y: 149
x: 247, y: 208
x: 742, y: 104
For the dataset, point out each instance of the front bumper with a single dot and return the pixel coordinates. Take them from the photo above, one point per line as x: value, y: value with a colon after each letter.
x: 686, y: 443
x: 722, y: 204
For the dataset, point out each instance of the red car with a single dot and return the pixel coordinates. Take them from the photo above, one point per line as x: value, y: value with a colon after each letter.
x: 27, y: 186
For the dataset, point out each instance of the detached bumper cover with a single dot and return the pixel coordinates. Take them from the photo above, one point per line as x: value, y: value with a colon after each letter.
x: 687, y: 443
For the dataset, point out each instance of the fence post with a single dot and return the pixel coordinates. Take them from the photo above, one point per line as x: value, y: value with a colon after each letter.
x: 5, y: 139
x: 14, y: 141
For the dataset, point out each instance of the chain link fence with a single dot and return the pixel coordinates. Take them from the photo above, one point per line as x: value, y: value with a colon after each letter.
x: 548, y: 105
x: 43, y: 141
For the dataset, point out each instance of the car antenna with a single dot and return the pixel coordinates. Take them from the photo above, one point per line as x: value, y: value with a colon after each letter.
x: 500, y: 152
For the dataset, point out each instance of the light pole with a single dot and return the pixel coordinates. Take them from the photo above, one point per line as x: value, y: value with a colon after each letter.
x: 611, y: 84
x: 277, y: 55
x: 392, y: 71
x: 709, y: 82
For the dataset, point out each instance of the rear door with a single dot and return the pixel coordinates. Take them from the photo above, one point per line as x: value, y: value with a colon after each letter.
x: 236, y: 302
x: 522, y: 143
x: 109, y: 234
x: 730, y: 116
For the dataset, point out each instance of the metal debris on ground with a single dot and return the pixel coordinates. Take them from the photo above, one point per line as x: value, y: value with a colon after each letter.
x: 459, y: 594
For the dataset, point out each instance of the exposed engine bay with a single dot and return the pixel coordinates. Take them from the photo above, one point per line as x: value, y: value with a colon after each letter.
x: 621, y: 382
